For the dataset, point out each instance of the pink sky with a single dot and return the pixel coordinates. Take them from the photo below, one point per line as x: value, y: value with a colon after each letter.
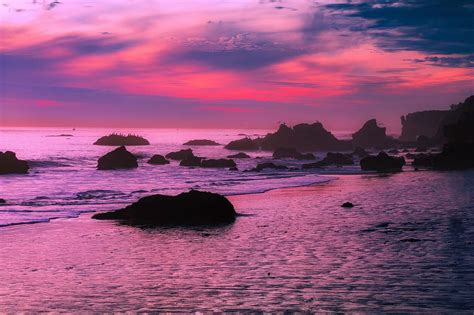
x: 215, y: 64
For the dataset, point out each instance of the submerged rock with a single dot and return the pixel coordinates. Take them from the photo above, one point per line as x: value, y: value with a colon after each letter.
x: 245, y: 144
x: 268, y: 165
x: 158, y: 159
x: 2, y: 201
x: 218, y: 163
x: 117, y: 159
x: 122, y: 140
x: 347, y: 205
x: 10, y: 164
x: 331, y: 158
x: 240, y: 155
x: 201, y: 142
x: 382, y: 163
x: 190, y: 208
x: 291, y: 153
x: 180, y: 155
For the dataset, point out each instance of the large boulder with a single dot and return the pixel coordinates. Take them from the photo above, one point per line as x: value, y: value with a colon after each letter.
x: 239, y: 155
x: 180, y: 155
x: 115, y: 139
x: 117, y: 159
x: 10, y: 164
x: 192, y: 161
x: 331, y: 158
x: 245, y: 144
x: 190, y: 208
x: 202, y: 142
x: 218, y: 163
x: 371, y: 136
x: 382, y: 163
x: 291, y: 153
x: 158, y: 159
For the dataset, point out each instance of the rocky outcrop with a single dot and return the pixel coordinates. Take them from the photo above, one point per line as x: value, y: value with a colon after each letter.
x: 122, y: 140
x: 245, y: 144
x: 371, y: 136
x: 292, y: 153
x: 455, y: 156
x: 158, y: 159
x: 119, y: 158
x: 10, y: 164
x: 209, y: 163
x: 188, y: 209
x: 201, y: 142
x: 239, y: 155
x: 268, y: 165
x: 425, y: 123
x: 180, y: 155
x: 192, y: 161
x: 360, y: 152
x: 338, y: 159
x: 382, y: 163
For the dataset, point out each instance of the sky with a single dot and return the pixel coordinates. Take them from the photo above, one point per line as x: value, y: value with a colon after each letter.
x: 231, y: 64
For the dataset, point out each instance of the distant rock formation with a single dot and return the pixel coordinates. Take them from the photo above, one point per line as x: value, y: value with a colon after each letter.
x: 239, y: 155
x: 245, y: 144
x: 338, y: 159
x: 115, y: 139
x: 371, y: 136
x: 10, y: 164
x: 425, y: 123
x: 292, y: 153
x: 180, y: 155
x: 119, y: 158
x: 200, y: 142
x: 158, y: 159
x: 360, y: 152
x: 186, y: 209
x: 382, y: 163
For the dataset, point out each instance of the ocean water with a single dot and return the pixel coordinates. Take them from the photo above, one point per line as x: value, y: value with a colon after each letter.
x: 63, y: 180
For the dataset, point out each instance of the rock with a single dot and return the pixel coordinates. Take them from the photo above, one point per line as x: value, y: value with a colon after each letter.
x: 122, y: 140
x: 382, y: 163
x: 425, y: 123
x: 291, y: 153
x: 360, y: 152
x: 186, y: 209
x: 117, y: 159
x: 180, y: 155
x: 158, y: 160
x: 2, y: 201
x: 425, y: 160
x: 10, y: 164
x: 371, y: 136
x: 347, y: 205
x: 268, y: 165
x: 218, y: 163
x: 234, y: 168
x: 245, y: 144
x: 201, y: 142
x: 455, y: 156
x: 240, y: 155
x: 331, y: 158
x: 192, y: 161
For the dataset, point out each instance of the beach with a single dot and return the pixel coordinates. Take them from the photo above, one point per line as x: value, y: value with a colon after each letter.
x: 406, y: 246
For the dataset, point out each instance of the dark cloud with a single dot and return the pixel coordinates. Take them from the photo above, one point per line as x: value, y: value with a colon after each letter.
x: 434, y: 27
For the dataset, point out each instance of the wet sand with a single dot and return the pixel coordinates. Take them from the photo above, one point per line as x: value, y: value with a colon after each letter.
x: 406, y: 246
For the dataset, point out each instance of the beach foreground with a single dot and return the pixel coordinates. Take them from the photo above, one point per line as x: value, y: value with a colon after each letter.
x: 406, y: 246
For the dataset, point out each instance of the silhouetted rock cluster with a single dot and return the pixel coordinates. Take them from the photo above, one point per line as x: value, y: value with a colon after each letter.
x: 239, y: 155
x: 331, y: 158
x: 180, y: 155
x: 10, y: 164
x: 371, y: 136
x: 382, y: 163
x: 122, y: 140
x: 268, y: 165
x: 190, y: 208
x: 245, y: 144
x: 158, y: 159
x: 119, y: 158
x: 210, y: 163
x: 292, y: 153
x: 201, y: 142
x: 425, y: 123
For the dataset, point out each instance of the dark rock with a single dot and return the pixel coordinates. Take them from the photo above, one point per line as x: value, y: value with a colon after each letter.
x: 455, y: 156
x: 201, y: 142
x: 347, y: 205
x: 371, y: 136
x: 424, y: 123
x: 331, y: 158
x: 291, y: 153
x: 122, y: 140
x: 425, y: 160
x: 233, y: 168
x: 188, y: 209
x: 218, y: 163
x: 245, y: 144
x: 192, y: 161
x: 393, y: 151
x: 2, y: 201
x: 360, y: 152
x: 10, y: 164
x: 116, y: 159
x: 180, y: 155
x: 268, y: 165
x: 240, y: 155
x: 382, y: 163
x: 158, y: 160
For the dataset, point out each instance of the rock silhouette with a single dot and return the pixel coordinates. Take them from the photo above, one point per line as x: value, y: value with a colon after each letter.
x: 191, y: 161
x: 239, y: 155
x: 10, y: 164
x: 382, y: 163
x: 331, y: 158
x: 180, y: 155
x: 2, y: 201
x: 347, y: 205
x: 188, y: 209
x: 245, y: 144
x: 119, y: 158
x: 210, y: 163
x: 425, y: 123
x: 371, y: 136
x: 360, y: 152
x: 202, y: 142
x: 158, y: 159
x: 122, y: 140
x: 291, y: 153
x: 268, y: 165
